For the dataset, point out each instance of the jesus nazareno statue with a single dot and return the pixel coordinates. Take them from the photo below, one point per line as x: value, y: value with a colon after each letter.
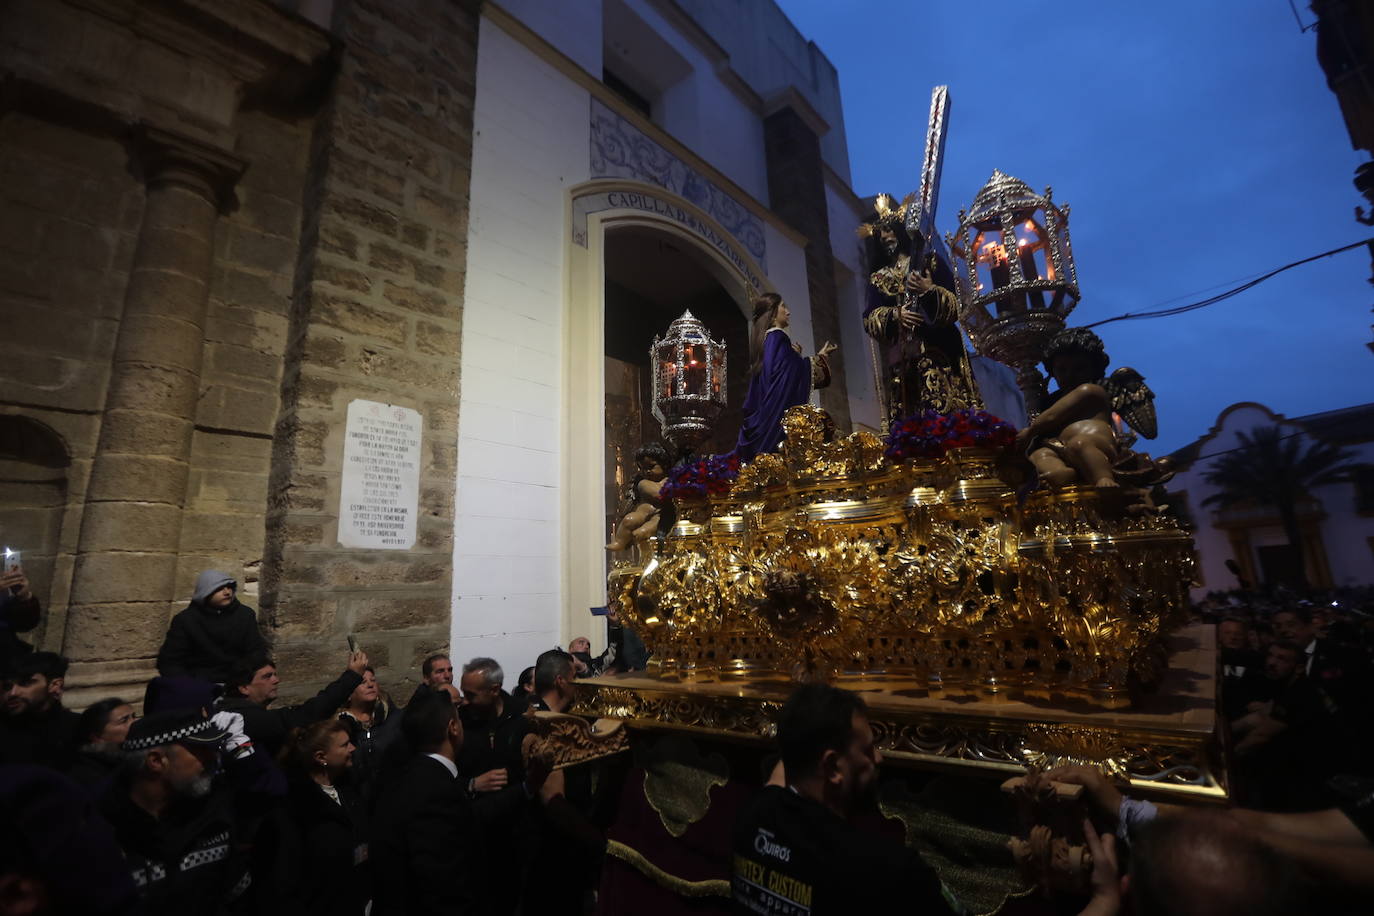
x: 913, y: 316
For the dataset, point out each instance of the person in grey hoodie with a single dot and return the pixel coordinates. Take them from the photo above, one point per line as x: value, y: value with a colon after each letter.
x: 214, y: 633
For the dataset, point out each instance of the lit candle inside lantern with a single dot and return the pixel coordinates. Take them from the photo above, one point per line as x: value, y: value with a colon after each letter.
x: 1025, y: 253
x: 995, y: 257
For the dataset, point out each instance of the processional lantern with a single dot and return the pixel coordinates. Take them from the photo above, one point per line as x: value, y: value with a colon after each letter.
x: 1015, y: 275
x: 689, y: 381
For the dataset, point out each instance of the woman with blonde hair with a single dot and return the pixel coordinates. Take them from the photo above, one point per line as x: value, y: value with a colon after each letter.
x: 373, y: 724
x: 320, y: 848
x: 779, y: 377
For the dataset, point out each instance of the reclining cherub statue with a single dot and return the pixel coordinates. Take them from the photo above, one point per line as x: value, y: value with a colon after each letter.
x: 1074, y: 440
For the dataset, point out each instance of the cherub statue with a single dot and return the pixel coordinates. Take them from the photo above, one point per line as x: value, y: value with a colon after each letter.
x: 639, y: 508
x: 1074, y: 439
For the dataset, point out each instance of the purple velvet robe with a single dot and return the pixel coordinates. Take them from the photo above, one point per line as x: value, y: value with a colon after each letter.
x: 783, y: 381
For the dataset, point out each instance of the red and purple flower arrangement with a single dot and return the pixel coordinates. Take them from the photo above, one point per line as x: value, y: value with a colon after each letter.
x: 930, y: 435
x: 712, y: 475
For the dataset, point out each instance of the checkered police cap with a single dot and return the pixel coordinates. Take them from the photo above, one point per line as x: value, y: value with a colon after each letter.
x: 172, y: 728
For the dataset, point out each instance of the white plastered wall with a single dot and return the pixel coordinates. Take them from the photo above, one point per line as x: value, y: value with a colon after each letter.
x: 528, y: 557
x: 571, y: 26
x: 865, y: 410
x: 531, y: 136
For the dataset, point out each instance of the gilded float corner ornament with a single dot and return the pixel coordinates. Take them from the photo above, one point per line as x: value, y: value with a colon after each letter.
x: 1049, y: 745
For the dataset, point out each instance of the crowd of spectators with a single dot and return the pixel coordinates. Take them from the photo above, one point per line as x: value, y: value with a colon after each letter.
x: 1297, y: 670
x: 216, y: 798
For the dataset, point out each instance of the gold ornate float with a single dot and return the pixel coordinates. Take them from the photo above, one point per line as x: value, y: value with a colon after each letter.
x: 829, y: 559
x: 985, y: 631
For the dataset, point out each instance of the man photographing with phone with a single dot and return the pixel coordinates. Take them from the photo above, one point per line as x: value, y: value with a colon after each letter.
x: 252, y: 687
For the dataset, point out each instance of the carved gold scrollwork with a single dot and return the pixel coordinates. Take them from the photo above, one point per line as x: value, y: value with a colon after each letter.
x: 569, y: 740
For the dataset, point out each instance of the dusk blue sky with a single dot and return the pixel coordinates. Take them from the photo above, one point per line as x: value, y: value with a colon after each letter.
x: 1198, y: 146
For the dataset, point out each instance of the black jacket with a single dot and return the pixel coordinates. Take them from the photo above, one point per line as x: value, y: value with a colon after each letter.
x: 188, y: 861
x: 565, y: 842
x: 95, y: 768
x: 793, y: 854
x: 16, y: 617
x: 195, y: 857
x: 371, y: 743
x: 269, y: 727
x: 494, y: 743
x: 206, y: 643
x: 47, y: 739
x: 425, y: 847
x: 321, y: 854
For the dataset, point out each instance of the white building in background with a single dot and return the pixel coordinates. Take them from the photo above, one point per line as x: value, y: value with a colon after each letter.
x: 627, y: 157
x: 1337, y: 522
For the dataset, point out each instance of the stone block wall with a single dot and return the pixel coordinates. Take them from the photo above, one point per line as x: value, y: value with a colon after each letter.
x: 376, y: 314
x: 214, y: 234
x: 256, y: 247
x: 148, y: 238
x: 69, y: 216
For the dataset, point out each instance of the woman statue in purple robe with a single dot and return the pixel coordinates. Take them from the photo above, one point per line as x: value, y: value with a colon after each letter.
x: 779, y: 377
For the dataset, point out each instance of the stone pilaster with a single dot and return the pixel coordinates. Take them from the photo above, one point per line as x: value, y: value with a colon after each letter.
x: 123, y: 582
x: 376, y: 313
x: 796, y: 192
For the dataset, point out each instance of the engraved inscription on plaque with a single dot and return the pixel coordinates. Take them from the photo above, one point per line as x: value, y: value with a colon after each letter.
x: 379, y: 493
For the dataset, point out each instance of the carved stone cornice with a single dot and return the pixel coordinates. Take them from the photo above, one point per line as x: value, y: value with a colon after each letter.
x: 187, y: 65
x: 168, y: 158
x: 251, y: 39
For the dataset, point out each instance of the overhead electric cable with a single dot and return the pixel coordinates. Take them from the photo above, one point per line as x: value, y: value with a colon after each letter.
x: 1221, y: 297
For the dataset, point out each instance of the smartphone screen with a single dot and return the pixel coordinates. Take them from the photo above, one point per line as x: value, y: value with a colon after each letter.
x: 352, y: 643
x: 11, y: 560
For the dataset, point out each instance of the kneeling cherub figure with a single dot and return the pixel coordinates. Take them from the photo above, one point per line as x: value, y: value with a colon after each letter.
x: 1074, y: 439
x: 640, y: 507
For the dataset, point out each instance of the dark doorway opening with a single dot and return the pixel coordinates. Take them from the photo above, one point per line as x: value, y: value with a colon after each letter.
x: 1280, y: 564
x: 651, y: 279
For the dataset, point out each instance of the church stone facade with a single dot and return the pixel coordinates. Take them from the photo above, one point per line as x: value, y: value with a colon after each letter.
x: 219, y: 223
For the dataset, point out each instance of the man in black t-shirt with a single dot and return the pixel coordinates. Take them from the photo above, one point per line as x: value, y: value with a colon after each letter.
x: 795, y: 852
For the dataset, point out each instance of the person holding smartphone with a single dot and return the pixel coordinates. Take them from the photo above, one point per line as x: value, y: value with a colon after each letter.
x: 19, y: 612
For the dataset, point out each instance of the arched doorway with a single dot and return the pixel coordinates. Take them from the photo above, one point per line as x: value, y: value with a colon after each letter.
x: 637, y: 257
x: 651, y: 279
